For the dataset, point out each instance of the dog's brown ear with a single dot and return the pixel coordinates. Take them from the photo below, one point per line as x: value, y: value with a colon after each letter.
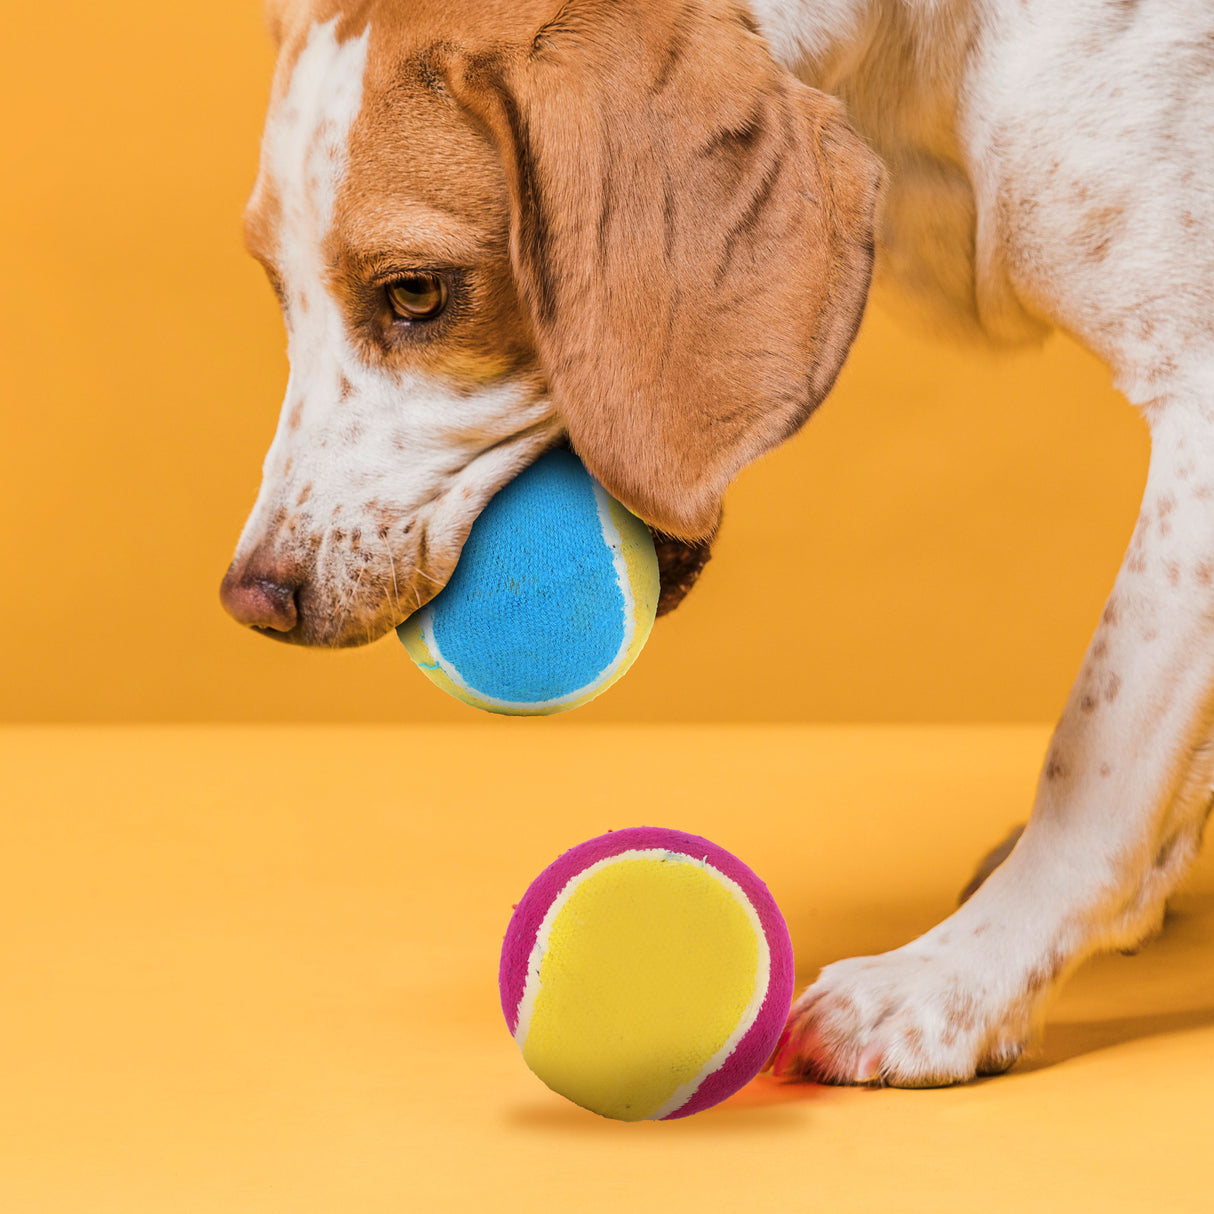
x: 692, y: 235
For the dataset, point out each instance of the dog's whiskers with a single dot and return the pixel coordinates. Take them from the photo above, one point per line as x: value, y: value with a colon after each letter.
x: 336, y: 632
x: 392, y: 563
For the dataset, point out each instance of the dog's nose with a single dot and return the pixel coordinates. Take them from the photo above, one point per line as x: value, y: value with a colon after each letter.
x: 259, y: 601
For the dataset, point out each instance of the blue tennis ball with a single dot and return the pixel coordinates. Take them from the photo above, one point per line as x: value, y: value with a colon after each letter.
x: 552, y: 599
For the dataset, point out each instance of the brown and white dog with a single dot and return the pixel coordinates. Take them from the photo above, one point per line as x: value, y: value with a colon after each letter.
x: 634, y: 225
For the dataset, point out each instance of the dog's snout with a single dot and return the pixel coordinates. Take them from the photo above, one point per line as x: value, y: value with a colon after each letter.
x: 259, y: 601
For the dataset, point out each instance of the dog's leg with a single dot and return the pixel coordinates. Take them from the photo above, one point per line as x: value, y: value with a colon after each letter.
x: 1117, y: 819
x: 990, y: 862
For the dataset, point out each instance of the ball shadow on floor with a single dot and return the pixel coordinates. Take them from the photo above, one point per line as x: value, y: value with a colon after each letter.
x: 765, y: 1104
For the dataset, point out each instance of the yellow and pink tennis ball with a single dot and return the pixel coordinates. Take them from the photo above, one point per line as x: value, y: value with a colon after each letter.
x: 646, y: 974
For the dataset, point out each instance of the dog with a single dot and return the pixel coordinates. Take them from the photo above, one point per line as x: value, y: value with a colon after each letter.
x: 646, y: 228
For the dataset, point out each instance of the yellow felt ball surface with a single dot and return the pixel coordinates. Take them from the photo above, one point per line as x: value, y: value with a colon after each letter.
x: 649, y: 967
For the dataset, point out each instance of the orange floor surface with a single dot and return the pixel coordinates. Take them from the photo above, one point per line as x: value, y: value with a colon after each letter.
x: 253, y: 970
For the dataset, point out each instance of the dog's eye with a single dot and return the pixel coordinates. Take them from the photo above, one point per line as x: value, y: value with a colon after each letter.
x: 417, y: 296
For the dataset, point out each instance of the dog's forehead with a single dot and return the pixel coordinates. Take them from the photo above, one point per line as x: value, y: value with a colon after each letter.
x: 318, y: 93
x: 413, y: 152
x: 357, y: 127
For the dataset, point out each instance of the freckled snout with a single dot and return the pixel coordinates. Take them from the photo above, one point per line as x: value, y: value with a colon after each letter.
x: 259, y: 597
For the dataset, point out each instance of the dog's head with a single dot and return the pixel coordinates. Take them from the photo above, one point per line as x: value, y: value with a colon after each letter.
x: 492, y: 228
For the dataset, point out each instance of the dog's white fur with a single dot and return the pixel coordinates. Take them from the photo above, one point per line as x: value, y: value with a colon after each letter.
x: 1061, y: 144
x: 1049, y: 165
x: 396, y: 467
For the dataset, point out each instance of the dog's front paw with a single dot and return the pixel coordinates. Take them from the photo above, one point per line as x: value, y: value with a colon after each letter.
x: 920, y: 1016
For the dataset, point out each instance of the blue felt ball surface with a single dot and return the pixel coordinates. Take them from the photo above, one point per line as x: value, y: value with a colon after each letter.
x: 553, y: 596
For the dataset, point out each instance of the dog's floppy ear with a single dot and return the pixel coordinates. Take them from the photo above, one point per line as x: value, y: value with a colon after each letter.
x: 691, y: 232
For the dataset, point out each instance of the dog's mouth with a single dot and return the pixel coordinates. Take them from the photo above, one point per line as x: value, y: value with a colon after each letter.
x: 368, y: 597
x: 318, y: 631
x: 374, y: 603
x: 348, y: 585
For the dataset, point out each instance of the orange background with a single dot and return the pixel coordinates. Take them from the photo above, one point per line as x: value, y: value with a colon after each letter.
x: 934, y: 546
x: 251, y: 968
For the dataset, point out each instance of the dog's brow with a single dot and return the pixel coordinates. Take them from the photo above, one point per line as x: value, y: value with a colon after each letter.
x: 411, y: 232
x: 259, y: 250
x: 257, y: 236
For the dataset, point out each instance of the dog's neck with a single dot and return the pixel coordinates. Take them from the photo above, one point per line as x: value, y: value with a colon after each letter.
x: 822, y: 42
x: 896, y: 64
x: 903, y: 69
